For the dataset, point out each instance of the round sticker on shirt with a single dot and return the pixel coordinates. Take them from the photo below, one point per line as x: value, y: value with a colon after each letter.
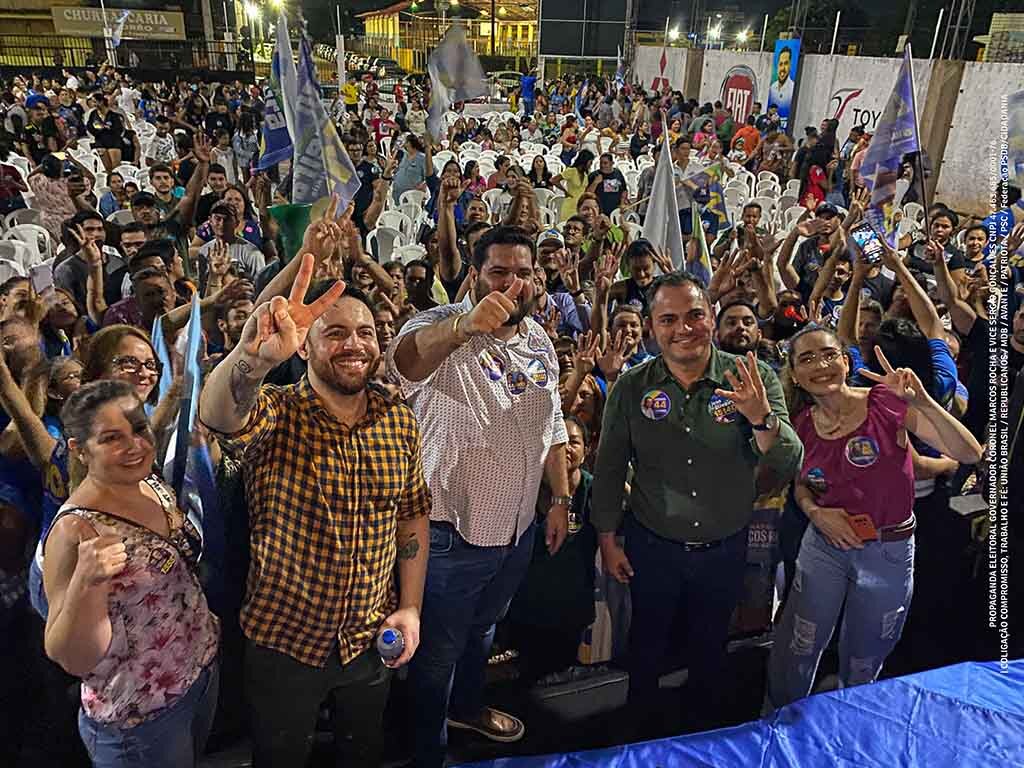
x: 816, y: 480
x: 722, y: 409
x: 575, y: 524
x: 517, y: 382
x: 656, y: 404
x: 537, y: 372
x: 861, y: 451
x: 492, y: 365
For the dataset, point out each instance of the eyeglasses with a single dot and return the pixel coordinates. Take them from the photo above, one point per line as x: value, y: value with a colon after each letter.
x: 132, y: 365
x: 829, y: 356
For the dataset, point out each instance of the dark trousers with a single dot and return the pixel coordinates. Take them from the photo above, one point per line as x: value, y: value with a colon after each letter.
x: 468, y: 591
x: 672, y: 587
x: 285, y: 697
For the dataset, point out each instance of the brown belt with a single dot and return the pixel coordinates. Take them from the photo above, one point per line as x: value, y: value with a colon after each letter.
x: 900, y: 532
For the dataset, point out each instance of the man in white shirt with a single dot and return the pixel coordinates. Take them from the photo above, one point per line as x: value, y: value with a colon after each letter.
x: 781, y: 91
x: 71, y: 83
x: 482, y: 378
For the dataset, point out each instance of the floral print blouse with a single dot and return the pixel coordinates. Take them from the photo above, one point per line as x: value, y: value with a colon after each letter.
x: 164, y: 634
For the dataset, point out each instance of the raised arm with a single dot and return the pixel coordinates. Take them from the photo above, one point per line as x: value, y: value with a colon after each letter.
x: 921, y: 306
x: 422, y: 351
x: 271, y: 335
x: 849, y: 320
x: 449, y: 259
x: 187, y: 205
x: 960, y: 312
x: 37, y: 442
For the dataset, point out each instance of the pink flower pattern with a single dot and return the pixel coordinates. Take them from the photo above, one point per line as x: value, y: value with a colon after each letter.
x: 164, y: 634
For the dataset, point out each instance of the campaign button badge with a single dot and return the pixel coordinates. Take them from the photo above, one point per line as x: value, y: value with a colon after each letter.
x: 517, y: 382
x: 492, y: 365
x: 722, y: 409
x: 816, y: 481
x: 861, y: 451
x: 655, y: 404
x: 537, y: 372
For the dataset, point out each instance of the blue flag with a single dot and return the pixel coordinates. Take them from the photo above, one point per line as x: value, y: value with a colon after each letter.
x: 275, y: 141
x: 163, y: 356
x: 895, y: 137
x: 321, y: 165
x: 118, y: 30
x: 620, y: 71
x: 580, y: 95
x: 455, y: 75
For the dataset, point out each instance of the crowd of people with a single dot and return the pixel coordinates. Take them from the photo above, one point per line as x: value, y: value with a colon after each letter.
x: 472, y: 437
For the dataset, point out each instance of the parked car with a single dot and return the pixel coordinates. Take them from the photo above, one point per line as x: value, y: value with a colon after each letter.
x: 506, y: 79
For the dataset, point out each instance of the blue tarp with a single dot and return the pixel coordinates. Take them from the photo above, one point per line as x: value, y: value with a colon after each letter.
x: 964, y: 716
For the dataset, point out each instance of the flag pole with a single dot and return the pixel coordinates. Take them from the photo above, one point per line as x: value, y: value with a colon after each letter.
x: 919, y: 164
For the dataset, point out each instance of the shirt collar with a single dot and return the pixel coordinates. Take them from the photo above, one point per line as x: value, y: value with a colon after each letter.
x: 714, y: 373
x: 377, y: 402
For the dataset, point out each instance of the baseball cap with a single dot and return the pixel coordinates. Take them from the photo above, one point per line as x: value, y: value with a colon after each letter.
x: 37, y: 99
x: 827, y: 209
x: 549, y: 235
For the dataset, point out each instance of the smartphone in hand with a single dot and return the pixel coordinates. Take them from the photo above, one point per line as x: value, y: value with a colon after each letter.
x: 865, y: 243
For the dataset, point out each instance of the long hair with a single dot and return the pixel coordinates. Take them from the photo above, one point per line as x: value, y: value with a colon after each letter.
x: 797, y: 398
x: 101, y: 349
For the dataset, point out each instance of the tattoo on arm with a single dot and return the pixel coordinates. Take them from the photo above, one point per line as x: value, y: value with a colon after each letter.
x: 245, y: 388
x: 408, y: 549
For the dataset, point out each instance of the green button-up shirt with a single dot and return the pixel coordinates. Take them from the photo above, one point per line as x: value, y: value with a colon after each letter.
x: 693, y: 455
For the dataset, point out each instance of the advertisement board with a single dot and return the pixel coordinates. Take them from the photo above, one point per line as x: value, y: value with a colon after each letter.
x: 782, y: 88
x: 140, y: 25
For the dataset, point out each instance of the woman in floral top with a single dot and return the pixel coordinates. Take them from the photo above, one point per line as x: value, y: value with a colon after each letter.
x: 127, y: 613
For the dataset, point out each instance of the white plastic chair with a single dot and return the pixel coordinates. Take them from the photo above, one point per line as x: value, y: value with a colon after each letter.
x: 793, y: 187
x: 767, y: 189
x: 494, y: 199
x: 407, y: 253
x: 913, y: 212
x: 767, y: 205
x: 385, y: 145
x: 35, y: 237
x: 735, y: 197
x: 23, y: 216
x: 415, y: 197
x: 128, y: 171
x: 9, y: 269
x: 544, y: 197
x: 121, y: 218
x: 442, y: 157
x: 397, y: 220
x: 792, y: 216
x: 16, y: 251
x: 768, y: 176
x: 382, y: 241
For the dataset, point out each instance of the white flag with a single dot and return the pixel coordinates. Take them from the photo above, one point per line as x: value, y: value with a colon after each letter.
x: 289, y: 75
x: 661, y: 226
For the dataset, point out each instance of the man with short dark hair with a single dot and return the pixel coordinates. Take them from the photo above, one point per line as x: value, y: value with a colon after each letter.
x: 419, y: 282
x: 161, y: 177
x: 72, y: 272
x: 152, y: 296
x: 338, y: 506
x: 737, y: 328
x: 133, y: 237
x: 217, y: 180
x: 483, y: 361
x: 694, y: 422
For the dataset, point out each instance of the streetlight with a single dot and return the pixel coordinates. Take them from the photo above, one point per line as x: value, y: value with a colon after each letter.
x: 277, y: 4
x: 673, y: 34
x: 742, y: 37
x: 716, y: 32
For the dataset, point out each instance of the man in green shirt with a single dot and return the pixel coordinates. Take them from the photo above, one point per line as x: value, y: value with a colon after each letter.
x: 695, y: 423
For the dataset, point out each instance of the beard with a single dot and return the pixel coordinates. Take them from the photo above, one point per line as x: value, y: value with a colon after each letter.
x: 524, y: 308
x: 738, y: 344
x: 333, y: 373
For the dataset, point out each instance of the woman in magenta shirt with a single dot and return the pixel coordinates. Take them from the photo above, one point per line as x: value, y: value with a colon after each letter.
x: 857, y: 488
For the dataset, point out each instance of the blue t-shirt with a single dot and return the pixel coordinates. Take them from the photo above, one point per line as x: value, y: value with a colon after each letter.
x: 526, y: 86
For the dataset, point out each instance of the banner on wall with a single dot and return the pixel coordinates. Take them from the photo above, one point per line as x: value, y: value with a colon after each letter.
x: 782, y: 87
x: 739, y: 92
x: 135, y: 24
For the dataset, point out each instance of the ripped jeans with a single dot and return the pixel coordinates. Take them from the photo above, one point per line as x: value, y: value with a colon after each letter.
x: 876, y: 584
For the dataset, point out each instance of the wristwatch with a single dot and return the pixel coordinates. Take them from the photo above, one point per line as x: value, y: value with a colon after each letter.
x: 771, y: 421
x: 561, y: 501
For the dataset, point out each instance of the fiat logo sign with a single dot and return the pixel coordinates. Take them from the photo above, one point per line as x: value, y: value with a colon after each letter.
x: 739, y: 92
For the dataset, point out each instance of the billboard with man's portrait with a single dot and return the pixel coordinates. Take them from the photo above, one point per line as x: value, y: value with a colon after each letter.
x: 782, y: 88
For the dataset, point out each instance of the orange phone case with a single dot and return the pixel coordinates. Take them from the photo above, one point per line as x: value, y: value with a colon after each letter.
x: 864, y: 527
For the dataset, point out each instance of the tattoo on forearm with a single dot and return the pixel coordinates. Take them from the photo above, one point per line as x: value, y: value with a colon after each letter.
x: 245, y: 388
x: 408, y: 549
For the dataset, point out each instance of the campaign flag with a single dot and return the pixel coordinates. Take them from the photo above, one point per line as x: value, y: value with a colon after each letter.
x: 188, y: 464
x: 275, y: 139
x: 701, y: 265
x: 118, y: 30
x: 895, y: 137
x: 163, y: 356
x: 661, y: 226
x: 581, y: 94
x: 287, y: 74
x: 321, y: 165
x: 620, y: 72
x: 707, y: 188
x: 455, y: 75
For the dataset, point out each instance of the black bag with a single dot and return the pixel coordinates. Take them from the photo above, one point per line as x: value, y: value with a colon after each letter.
x: 581, y: 693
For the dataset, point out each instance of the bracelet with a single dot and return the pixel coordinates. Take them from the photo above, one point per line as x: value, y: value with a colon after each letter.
x: 455, y: 327
x: 388, y: 178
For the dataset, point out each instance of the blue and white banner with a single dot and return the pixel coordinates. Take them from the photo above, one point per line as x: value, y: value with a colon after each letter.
x: 455, y: 75
x: 275, y: 139
x: 118, y: 30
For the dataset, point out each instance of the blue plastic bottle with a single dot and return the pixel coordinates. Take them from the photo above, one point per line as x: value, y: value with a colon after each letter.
x: 390, y: 644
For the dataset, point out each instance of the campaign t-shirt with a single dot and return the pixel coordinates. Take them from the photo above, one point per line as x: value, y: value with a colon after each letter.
x: 865, y: 471
x: 609, y: 190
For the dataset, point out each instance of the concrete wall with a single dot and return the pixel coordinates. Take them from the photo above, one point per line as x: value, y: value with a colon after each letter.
x: 970, y: 160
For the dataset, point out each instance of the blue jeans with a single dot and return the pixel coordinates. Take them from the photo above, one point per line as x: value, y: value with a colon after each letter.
x: 173, y: 739
x: 468, y: 591
x: 875, y: 583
